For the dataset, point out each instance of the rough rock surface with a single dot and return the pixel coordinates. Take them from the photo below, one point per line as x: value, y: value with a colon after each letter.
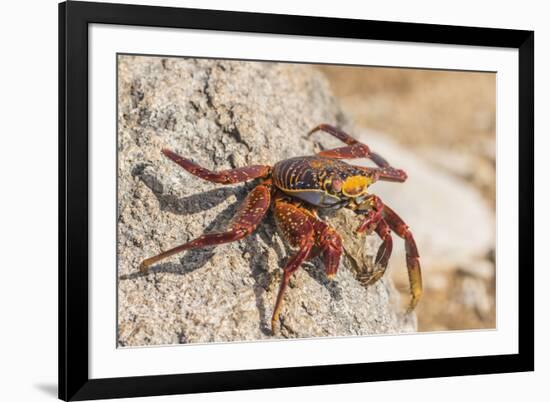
x: 225, y: 114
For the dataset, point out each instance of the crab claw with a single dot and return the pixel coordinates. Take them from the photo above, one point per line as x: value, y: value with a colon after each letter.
x: 367, y: 226
x: 373, y: 217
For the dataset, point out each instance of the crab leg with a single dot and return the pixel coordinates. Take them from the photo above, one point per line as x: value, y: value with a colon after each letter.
x: 299, y: 232
x: 223, y: 177
x: 386, y: 174
x: 249, y: 215
x: 335, y: 132
x: 384, y: 220
x: 330, y: 244
x: 374, y: 206
x: 354, y: 152
x: 374, y: 220
x: 303, y: 229
x: 355, y: 149
x: 385, y: 249
x: 413, y: 264
x: 292, y: 265
x: 382, y: 256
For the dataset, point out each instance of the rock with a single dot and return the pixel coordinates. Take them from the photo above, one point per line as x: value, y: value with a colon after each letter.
x: 225, y: 114
x: 453, y: 225
x: 473, y: 294
x: 477, y: 168
x: 482, y: 269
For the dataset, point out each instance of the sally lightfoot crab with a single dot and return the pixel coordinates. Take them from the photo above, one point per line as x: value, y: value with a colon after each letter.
x: 296, y: 189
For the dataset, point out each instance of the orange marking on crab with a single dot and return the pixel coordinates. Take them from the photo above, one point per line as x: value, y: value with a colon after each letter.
x: 355, y: 186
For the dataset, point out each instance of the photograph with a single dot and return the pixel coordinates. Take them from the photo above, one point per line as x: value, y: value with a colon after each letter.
x: 253, y: 200
x: 265, y: 200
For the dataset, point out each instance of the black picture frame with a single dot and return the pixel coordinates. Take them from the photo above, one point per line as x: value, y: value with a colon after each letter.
x: 74, y: 18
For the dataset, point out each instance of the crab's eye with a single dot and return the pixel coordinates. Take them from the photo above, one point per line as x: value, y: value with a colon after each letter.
x: 336, y: 184
x: 333, y: 184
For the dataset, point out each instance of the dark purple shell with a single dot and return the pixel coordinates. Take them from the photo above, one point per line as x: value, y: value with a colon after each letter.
x: 303, y: 178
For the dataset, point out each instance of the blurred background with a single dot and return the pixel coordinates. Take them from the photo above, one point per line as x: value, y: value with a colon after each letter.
x: 440, y: 127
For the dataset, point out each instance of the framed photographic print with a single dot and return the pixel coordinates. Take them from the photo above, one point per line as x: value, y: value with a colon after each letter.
x: 257, y: 200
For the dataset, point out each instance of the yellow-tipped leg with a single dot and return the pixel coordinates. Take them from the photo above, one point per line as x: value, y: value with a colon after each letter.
x: 144, y: 267
x: 415, y: 282
x: 413, y: 258
x: 274, y: 320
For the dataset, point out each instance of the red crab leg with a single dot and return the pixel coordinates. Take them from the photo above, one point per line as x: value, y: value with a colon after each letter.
x: 330, y: 244
x: 223, y: 177
x: 385, y: 249
x: 303, y: 229
x: 386, y: 174
x: 359, y: 150
x: 300, y: 233
x: 374, y: 220
x: 335, y: 132
x: 249, y: 215
x: 327, y: 240
x: 383, y: 254
x: 413, y: 264
x: 375, y: 207
x: 355, y: 149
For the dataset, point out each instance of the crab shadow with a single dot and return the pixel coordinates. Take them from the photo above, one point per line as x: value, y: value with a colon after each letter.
x: 195, y: 259
x: 316, y: 270
x: 259, y: 266
x: 186, y: 205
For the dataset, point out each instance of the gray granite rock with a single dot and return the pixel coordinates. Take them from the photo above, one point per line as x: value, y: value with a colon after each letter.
x: 225, y: 114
